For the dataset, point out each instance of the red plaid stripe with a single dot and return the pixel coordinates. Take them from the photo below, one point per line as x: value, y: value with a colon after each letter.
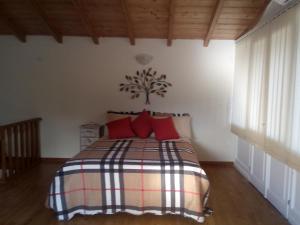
x: 83, y: 183
x: 142, y: 177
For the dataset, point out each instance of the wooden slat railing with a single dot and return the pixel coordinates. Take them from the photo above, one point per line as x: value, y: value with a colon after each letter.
x: 19, y: 147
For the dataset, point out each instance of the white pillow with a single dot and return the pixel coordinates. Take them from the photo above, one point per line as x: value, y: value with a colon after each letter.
x: 183, y: 126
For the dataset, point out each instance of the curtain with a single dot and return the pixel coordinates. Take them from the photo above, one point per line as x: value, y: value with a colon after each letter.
x: 266, y: 93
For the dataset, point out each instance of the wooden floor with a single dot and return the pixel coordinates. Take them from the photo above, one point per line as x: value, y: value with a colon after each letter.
x: 234, y: 200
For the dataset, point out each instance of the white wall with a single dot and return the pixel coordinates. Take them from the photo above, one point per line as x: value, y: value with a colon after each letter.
x: 75, y: 82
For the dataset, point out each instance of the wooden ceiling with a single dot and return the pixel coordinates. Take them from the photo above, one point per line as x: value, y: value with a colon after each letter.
x: 166, y: 19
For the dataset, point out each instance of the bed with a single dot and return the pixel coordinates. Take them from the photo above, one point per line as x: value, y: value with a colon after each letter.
x: 135, y: 176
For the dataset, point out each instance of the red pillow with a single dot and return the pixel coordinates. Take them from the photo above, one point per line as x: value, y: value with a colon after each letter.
x: 142, y: 125
x: 164, y: 129
x: 121, y: 128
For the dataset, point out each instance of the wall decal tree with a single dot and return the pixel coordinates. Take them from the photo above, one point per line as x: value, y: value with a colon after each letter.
x: 145, y: 81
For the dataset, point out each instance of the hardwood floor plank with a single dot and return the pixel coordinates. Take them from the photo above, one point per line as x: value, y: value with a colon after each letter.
x: 234, y: 200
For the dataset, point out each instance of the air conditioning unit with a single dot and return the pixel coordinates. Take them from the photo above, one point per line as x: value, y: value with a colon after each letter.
x: 283, y: 2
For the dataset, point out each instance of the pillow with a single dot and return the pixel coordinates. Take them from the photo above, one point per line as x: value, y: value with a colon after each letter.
x: 113, y: 115
x: 182, y: 125
x: 142, y: 125
x: 121, y: 128
x: 164, y: 128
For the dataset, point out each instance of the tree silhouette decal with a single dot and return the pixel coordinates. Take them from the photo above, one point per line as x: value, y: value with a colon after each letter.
x: 145, y: 81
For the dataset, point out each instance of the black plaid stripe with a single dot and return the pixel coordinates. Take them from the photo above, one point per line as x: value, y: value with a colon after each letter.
x: 168, y: 177
x: 102, y: 168
x: 171, y: 172
x: 128, y: 171
x: 163, y: 187
x: 126, y: 162
x: 59, y: 202
x: 120, y: 173
x: 112, y: 177
x: 181, y: 174
x: 175, y: 161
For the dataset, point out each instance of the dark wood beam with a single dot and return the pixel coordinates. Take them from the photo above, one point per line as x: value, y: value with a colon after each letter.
x: 81, y: 11
x: 128, y: 21
x: 12, y: 24
x: 213, y: 21
x: 171, y: 22
x: 256, y: 20
x: 38, y: 8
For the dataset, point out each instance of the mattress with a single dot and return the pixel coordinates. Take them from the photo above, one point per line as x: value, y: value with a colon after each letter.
x: 135, y: 176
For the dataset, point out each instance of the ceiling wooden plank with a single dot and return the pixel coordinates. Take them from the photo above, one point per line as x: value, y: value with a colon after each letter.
x: 256, y: 20
x: 11, y: 23
x: 129, y: 24
x: 55, y: 33
x: 147, y: 18
x: 213, y: 21
x: 81, y: 10
x: 171, y: 22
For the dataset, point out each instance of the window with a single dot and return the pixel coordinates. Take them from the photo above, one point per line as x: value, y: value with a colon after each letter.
x: 266, y: 96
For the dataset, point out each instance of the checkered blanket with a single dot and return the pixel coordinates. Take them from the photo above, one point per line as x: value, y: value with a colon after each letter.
x: 133, y: 176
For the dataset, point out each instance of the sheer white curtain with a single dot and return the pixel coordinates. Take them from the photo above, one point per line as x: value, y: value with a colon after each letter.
x: 266, y: 95
x: 239, y: 99
x: 257, y: 76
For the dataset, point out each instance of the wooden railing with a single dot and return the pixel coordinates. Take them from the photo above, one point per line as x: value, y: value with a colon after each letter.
x: 19, y: 147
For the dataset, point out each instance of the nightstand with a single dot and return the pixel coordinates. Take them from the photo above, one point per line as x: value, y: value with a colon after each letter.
x: 89, y: 133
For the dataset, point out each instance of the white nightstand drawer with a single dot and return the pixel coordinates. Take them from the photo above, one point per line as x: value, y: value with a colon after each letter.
x: 87, y: 141
x: 89, y: 132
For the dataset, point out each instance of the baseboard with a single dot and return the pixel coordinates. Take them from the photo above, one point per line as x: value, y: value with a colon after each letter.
x: 54, y: 160
x: 217, y: 163
x: 260, y: 186
x: 294, y: 217
x: 242, y: 168
x: 277, y: 203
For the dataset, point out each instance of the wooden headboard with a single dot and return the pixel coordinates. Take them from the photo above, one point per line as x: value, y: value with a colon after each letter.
x: 152, y: 113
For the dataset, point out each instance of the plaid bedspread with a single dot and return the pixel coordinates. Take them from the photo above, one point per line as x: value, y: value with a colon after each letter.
x: 133, y: 176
